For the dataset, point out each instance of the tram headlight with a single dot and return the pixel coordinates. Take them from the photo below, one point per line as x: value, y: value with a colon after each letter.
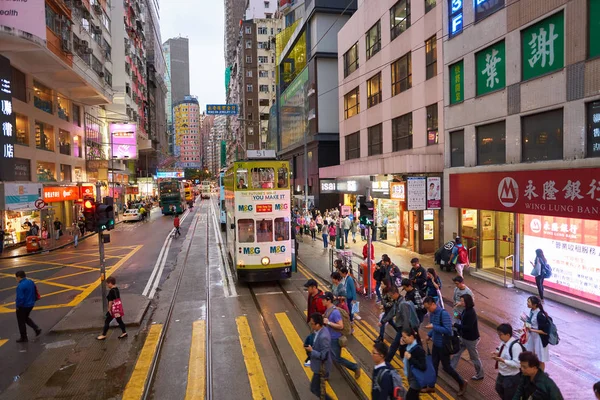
x: 240, y: 264
x: 265, y: 261
x: 288, y: 261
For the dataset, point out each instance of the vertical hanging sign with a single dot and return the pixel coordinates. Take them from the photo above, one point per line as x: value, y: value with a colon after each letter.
x: 7, y: 123
x: 455, y: 17
x: 456, y: 82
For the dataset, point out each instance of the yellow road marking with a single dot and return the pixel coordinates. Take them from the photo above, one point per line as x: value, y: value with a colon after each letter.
x: 43, y: 269
x: 93, y: 255
x: 8, y: 288
x: 70, y: 275
x: 196, y: 382
x: 2, y: 341
x: 137, y: 381
x: 55, y: 263
x: 256, y: 374
x: 52, y: 283
x: 297, y: 346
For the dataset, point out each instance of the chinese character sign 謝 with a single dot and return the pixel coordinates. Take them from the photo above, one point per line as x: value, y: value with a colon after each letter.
x: 456, y: 82
x: 7, y: 123
x: 491, y: 68
x: 543, y: 46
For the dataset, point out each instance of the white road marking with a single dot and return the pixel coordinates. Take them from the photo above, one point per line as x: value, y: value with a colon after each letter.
x: 222, y: 267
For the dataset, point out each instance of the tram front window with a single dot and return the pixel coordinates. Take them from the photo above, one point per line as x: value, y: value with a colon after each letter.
x: 263, y: 178
x: 264, y: 231
x: 282, y: 178
x: 282, y: 229
x: 246, y: 230
x: 242, y: 179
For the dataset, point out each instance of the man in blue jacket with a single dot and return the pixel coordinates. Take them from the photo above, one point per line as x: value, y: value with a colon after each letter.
x: 25, y: 301
x: 441, y: 325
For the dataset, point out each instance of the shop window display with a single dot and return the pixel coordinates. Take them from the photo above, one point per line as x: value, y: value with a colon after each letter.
x: 388, y: 221
x: 46, y: 172
x: 17, y: 225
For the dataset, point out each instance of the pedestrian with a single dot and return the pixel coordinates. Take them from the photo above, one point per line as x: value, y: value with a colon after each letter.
x: 539, y: 271
x: 350, y: 287
x: 176, y: 225
x: 2, y: 233
x: 365, y: 252
x: 346, y: 225
x: 320, y: 355
x: 332, y: 318
x: 75, y: 233
x: 535, y: 383
x: 339, y: 292
x: 312, y: 226
x: 115, y: 309
x: 57, y: 229
x: 387, y: 303
x: 414, y: 296
x: 507, y: 362
x: 440, y: 325
x: 332, y: 234
x: 35, y: 229
x: 363, y: 232
x: 319, y: 221
x: 81, y: 225
x: 354, y: 229
x: 382, y: 383
x: 460, y: 256
x: 460, y: 289
x: 469, y: 336
x: 414, y: 357
x: 401, y: 316
x: 433, y: 285
x: 27, y: 295
x: 393, y: 275
x: 27, y: 226
x: 315, y: 301
x: 597, y: 390
x: 378, y: 275
x: 538, y: 328
x: 418, y: 275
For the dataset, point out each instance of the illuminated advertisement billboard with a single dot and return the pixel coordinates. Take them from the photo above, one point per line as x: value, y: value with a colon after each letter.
x: 571, y: 247
x: 123, y: 139
x: 25, y: 16
x: 170, y: 174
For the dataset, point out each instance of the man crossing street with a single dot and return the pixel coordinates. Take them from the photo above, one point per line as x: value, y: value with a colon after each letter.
x: 26, y: 298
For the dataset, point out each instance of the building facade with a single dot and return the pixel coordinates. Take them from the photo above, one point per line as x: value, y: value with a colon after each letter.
x: 390, y: 105
x: 177, y: 56
x: 186, y: 122
x: 522, y: 115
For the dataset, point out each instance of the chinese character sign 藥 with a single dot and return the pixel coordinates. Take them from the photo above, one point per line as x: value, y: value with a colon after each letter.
x: 456, y: 82
x: 543, y: 46
x: 455, y: 17
x: 221, y: 109
x: 491, y: 68
x: 7, y: 123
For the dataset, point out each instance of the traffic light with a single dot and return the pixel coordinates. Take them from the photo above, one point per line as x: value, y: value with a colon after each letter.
x: 365, y: 207
x: 105, y: 216
x: 89, y: 213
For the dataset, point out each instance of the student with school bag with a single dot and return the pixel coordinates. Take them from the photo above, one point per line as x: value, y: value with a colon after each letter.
x: 386, y: 383
x: 418, y: 366
x: 507, y: 362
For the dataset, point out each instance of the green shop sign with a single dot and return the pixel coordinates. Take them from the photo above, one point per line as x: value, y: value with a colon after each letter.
x: 543, y: 46
x: 457, y: 75
x: 491, y: 68
x: 594, y: 28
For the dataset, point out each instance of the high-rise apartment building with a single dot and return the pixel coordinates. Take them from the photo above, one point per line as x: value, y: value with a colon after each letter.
x: 234, y: 13
x: 186, y: 124
x: 177, y: 56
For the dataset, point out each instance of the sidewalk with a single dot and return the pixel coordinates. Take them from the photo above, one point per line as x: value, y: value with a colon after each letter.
x: 47, y: 245
x: 572, y: 368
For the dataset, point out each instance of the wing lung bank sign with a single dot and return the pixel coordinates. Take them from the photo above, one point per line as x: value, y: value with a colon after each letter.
x: 26, y: 16
x: 560, y: 193
x: 572, y: 247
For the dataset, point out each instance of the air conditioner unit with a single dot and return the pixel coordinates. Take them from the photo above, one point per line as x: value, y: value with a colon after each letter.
x: 96, y: 29
x: 88, y: 50
x: 101, y: 74
x: 84, y: 43
x: 97, y: 9
x: 66, y: 46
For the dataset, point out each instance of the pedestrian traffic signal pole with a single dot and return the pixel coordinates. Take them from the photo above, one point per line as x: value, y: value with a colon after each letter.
x: 102, y: 260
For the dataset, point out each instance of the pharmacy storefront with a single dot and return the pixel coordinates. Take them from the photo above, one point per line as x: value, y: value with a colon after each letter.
x: 505, y: 216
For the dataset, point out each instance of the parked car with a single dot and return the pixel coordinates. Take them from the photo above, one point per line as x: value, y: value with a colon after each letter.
x: 132, y: 214
x: 444, y: 255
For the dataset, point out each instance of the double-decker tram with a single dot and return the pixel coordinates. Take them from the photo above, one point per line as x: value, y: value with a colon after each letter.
x: 258, y: 219
x: 172, y: 196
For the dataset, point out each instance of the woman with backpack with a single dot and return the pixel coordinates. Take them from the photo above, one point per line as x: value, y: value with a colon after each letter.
x: 538, y: 330
x: 469, y: 336
x: 539, y: 272
x: 433, y: 285
x: 414, y: 358
x: 460, y: 256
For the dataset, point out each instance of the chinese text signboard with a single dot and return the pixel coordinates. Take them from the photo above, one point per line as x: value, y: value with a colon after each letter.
x: 485, y: 8
x: 26, y: 16
x: 455, y: 17
x: 561, y: 193
x: 457, y: 75
x: 7, y: 123
x: 398, y: 191
x: 491, y: 68
x: 170, y: 174
x: 417, y: 194
x: 60, y: 193
x: 543, y: 46
x: 593, y: 127
x: 594, y: 28
x: 221, y: 109
x: 572, y: 247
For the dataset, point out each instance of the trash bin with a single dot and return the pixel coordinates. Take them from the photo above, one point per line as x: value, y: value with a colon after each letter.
x: 34, y: 243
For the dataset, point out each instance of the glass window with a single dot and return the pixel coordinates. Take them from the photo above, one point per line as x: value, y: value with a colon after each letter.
x: 76, y: 115
x: 593, y: 129
x: 491, y: 144
x: 373, y: 38
x: 65, y: 173
x: 351, y: 103
x: 46, y: 172
x: 282, y: 229
x: 77, y: 146
x: 399, y: 18
x: 433, y: 135
x: 542, y: 136
x: 63, y: 108
x: 19, y: 85
x: 402, y: 132
x: 242, y: 179
x: 351, y: 60
x: 264, y: 231
x: 431, y: 57
x: 64, y: 142
x: 42, y: 97
x: 282, y: 178
x: 401, y: 74
x: 246, y: 231
x: 22, y: 126
x: 429, y: 5
x: 457, y: 148
x: 248, y: 44
x: 374, y: 90
x: 263, y: 178
x: 44, y: 136
x: 375, y: 140
x: 353, y: 146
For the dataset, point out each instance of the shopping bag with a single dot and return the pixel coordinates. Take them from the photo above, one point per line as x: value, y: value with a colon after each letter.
x: 355, y: 307
x: 116, y: 309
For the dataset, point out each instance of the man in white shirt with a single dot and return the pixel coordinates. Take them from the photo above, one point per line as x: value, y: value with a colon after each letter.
x: 507, y: 362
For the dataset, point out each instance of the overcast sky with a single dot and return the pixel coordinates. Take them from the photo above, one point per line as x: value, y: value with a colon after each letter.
x: 201, y: 21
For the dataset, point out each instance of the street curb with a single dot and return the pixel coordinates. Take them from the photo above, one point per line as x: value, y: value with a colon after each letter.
x: 62, y: 246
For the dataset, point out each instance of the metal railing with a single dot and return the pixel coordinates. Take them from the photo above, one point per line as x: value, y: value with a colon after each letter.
x: 512, y: 256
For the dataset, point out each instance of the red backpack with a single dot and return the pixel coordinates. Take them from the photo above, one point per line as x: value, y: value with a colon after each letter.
x: 463, y: 256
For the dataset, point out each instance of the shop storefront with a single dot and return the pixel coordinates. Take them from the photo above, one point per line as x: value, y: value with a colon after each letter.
x: 505, y: 216
x: 61, y: 204
x: 17, y: 210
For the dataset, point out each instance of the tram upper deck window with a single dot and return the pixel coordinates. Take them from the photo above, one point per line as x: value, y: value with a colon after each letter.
x: 282, y: 178
x: 263, y: 178
x: 264, y: 231
x: 282, y: 229
x: 242, y: 179
x: 246, y: 230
